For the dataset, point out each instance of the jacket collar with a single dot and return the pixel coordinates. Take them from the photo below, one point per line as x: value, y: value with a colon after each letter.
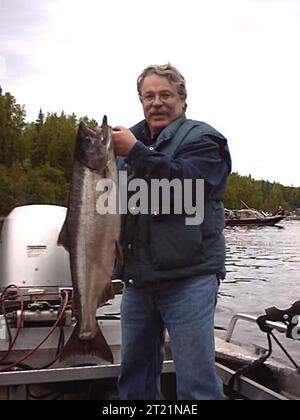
x: 141, y: 131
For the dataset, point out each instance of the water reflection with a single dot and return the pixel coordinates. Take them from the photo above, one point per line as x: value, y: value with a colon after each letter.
x: 263, y: 270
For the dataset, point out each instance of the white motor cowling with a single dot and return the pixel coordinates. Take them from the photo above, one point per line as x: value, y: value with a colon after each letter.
x: 29, y: 254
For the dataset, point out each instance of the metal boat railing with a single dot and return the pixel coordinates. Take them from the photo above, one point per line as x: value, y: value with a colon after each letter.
x: 278, y: 326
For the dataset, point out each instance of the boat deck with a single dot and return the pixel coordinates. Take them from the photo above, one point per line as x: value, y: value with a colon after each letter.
x: 14, y: 385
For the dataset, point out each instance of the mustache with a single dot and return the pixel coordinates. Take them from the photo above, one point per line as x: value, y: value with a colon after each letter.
x: 157, y: 113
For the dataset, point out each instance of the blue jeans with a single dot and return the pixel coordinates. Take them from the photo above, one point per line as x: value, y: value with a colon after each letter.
x: 186, y: 308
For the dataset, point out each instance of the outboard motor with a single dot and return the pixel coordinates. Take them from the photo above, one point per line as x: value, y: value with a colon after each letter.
x: 29, y: 254
x: 35, y: 279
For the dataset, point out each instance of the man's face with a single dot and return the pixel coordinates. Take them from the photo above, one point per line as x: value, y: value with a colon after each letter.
x: 161, y: 102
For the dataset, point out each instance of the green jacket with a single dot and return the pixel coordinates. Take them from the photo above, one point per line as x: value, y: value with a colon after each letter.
x: 159, y: 247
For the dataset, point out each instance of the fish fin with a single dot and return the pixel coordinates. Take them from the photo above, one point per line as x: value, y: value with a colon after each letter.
x: 104, y: 122
x: 63, y: 237
x: 119, y: 254
x: 97, y: 346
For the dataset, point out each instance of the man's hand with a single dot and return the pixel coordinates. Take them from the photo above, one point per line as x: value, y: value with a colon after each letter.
x: 123, y: 140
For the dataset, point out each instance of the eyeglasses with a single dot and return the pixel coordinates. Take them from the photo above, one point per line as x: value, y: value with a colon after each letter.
x: 163, y: 97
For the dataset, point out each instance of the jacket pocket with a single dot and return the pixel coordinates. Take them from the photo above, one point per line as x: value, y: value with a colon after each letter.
x: 174, y: 244
x: 214, y: 221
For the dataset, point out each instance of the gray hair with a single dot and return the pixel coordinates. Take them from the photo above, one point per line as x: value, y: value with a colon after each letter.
x: 169, y: 72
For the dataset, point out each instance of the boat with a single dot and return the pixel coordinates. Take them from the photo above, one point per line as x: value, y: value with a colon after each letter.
x: 258, y: 375
x: 245, y: 375
x: 41, y: 317
x: 251, y: 217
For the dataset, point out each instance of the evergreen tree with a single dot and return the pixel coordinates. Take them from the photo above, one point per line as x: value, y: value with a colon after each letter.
x: 12, y: 123
x: 40, y: 120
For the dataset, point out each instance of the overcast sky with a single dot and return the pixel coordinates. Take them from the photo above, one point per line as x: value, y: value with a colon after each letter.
x: 240, y: 59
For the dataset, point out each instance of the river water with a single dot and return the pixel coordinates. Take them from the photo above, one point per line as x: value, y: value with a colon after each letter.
x: 263, y: 270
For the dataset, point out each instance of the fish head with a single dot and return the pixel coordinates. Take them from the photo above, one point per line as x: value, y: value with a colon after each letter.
x: 93, y: 149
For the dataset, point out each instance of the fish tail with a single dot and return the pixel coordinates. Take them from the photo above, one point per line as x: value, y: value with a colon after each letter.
x: 97, y: 346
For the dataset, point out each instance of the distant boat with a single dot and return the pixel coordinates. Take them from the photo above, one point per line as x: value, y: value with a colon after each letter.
x: 251, y: 217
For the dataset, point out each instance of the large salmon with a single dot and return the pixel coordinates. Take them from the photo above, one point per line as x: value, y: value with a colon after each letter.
x: 91, y: 239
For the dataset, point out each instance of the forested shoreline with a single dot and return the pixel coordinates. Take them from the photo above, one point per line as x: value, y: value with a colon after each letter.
x: 36, y: 160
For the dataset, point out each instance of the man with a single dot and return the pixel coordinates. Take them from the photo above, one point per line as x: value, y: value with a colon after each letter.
x: 171, y: 270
